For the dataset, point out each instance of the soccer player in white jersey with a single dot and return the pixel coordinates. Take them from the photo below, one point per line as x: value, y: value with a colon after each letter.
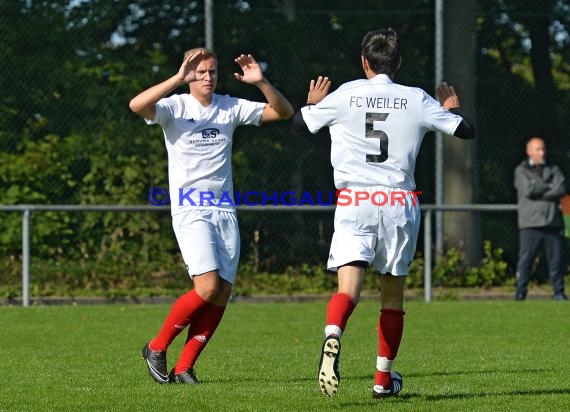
x: 376, y: 128
x: 198, y: 132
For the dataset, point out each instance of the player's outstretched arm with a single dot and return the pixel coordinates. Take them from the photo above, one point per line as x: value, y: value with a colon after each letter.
x: 450, y: 101
x: 447, y: 96
x: 278, y: 107
x: 143, y: 103
x: 318, y: 89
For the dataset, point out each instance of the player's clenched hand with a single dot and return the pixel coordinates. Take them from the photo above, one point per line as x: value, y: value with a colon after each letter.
x: 251, y: 71
x: 318, y: 89
x: 187, y: 71
x: 447, y: 96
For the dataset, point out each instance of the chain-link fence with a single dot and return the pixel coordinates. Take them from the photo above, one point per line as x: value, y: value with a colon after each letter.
x: 67, y: 135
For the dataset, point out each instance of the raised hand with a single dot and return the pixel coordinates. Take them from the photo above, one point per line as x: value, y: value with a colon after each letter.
x: 318, y: 89
x: 187, y: 71
x: 447, y: 97
x: 251, y: 71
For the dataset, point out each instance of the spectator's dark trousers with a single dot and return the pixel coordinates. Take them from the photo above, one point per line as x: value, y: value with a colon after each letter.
x: 553, y: 242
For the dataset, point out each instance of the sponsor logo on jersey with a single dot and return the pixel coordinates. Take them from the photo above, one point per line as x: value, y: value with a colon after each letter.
x: 209, y: 133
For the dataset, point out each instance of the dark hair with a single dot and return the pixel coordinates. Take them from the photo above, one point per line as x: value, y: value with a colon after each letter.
x: 382, y: 51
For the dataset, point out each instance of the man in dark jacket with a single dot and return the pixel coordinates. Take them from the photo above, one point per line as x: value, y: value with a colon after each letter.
x: 540, y: 186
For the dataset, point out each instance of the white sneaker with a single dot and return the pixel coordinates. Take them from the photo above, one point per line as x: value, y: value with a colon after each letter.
x: 378, y: 391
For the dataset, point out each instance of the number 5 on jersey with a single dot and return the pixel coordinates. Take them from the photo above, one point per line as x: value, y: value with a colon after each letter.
x: 372, y: 133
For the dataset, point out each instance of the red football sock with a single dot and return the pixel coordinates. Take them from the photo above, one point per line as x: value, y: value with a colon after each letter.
x: 390, y: 329
x: 199, y: 333
x: 339, y: 309
x: 186, y: 307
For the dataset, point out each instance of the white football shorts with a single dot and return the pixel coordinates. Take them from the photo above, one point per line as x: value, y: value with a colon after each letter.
x: 209, y: 240
x: 378, y: 225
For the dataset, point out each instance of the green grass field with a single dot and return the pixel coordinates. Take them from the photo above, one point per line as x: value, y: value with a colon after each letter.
x: 455, y: 356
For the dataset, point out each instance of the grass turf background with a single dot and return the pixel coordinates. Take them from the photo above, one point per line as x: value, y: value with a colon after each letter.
x: 455, y: 356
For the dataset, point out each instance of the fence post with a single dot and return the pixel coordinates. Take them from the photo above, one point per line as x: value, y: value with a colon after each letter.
x: 427, y: 256
x: 26, y: 257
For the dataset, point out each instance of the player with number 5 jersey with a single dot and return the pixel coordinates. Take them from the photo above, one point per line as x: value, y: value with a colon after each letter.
x: 376, y: 128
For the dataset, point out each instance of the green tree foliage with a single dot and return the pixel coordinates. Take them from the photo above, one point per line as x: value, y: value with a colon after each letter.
x: 521, y: 92
x: 69, y: 70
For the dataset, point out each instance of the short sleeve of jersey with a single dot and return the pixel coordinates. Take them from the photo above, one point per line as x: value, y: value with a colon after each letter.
x: 165, y: 110
x: 436, y: 118
x: 321, y: 114
x: 245, y: 111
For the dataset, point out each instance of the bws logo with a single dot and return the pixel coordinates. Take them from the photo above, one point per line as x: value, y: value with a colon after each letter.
x: 209, y: 133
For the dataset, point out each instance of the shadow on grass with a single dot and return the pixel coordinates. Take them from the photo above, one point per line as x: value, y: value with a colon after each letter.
x: 455, y: 373
x: 479, y: 372
x: 348, y: 377
x: 454, y: 396
x: 558, y: 391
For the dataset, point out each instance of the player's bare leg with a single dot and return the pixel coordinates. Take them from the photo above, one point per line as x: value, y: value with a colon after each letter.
x: 213, y: 288
x: 339, y: 309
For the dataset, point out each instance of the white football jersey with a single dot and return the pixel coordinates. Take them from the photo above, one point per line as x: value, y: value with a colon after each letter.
x: 199, y: 144
x: 376, y: 128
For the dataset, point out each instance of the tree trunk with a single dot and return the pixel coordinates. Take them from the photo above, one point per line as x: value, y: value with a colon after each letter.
x: 461, y: 229
x: 538, y: 24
